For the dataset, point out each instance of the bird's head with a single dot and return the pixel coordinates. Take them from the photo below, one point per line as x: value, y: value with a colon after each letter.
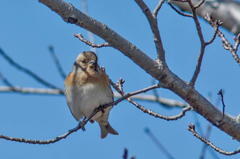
x: 87, y: 61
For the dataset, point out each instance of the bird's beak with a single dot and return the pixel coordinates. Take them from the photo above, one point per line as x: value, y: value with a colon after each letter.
x: 93, y: 64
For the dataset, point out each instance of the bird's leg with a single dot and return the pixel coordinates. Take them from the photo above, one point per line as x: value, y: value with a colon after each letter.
x: 81, y: 123
x: 101, y: 108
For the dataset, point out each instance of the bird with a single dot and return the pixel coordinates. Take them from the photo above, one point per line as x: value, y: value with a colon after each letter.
x: 87, y: 87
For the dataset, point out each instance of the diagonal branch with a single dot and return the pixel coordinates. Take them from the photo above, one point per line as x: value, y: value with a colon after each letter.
x: 155, y: 30
x: 226, y: 44
x: 158, y: 144
x: 5, y: 80
x: 119, y: 89
x: 25, y: 70
x: 191, y: 128
x: 179, y: 12
x: 202, y: 42
x: 157, y: 8
x: 56, y: 61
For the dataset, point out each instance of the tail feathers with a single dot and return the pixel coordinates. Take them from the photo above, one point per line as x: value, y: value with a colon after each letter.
x: 105, y: 129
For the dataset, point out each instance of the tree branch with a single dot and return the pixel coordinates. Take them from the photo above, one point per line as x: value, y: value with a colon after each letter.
x: 155, y: 30
x: 191, y: 128
x: 179, y: 12
x: 202, y: 42
x: 158, y: 144
x: 56, y: 62
x: 226, y: 11
x: 226, y: 44
x: 82, y: 123
x: 157, y: 8
x: 89, y: 43
x: 44, y: 91
x: 25, y: 70
x: 157, y: 70
x: 119, y: 89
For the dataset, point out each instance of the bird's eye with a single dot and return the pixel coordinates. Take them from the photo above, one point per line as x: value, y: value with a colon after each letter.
x: 83, y: 61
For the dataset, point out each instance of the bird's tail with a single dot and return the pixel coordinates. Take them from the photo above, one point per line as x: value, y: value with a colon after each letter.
x: 105, y: 129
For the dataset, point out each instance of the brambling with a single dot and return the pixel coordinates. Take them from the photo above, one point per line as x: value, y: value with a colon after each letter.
x: 86, y: 88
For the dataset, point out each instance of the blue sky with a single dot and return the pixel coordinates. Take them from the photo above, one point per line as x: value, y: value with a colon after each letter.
x: 28, y: 28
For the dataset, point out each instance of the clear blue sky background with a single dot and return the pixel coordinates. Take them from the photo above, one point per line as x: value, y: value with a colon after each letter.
x: 28, y: 28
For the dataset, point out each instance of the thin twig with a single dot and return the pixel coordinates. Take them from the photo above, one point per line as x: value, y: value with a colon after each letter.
x: 125, y: 153
x: 82, y: 123
x: 179, y: 12
x: 205, y: 146
x: 237, y: 42
x: 159, y: 144
x: 56, y: 61
x: 27, y: 90
x: 155, y: 30
x: 148, y: 111
x: 25, y: 70
x: 202, y: 42
x: 5, y: 80
x: 226, y: 44
x: 220, y: 93
x: 45, y: 91
x: 155, y: 93
x: 156, y: 115
x: 89, y: 43
x: 199, y: 5
x: 158, y: 7
x: 90, y: 35
x: 198, y: 66
x: 191, y: 128
x: 213, y: 37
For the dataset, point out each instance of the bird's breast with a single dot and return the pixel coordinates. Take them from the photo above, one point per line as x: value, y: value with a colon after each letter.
x: 89, y: 96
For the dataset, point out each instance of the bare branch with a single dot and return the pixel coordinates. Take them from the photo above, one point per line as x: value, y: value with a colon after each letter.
x: 202, y: 41
x: 157, y: 8
x: 44, y: 91
x: 155, y: 30
x: 5, y: 80
x: 205, y: 146
x: 225, y: 10
x: 50, y: 141
x: 24, y: 90
x: 220, y: 93
x: 159, y: 71
x: 125, y: 154
x: 179, y: 12
x: 156, y: 115
x: 199, y: 5
x: 226, y: 44
x: 213, y: 37
x: 56, y: 61
x: 89, y: 43
x: 150, y: 98
x: 25, y: 70
x: 82, y: 123
x: 158, y: 143
x: 237, y: 42
x: 148, y: 111
x: 198, y: 66
x: 191, y: 128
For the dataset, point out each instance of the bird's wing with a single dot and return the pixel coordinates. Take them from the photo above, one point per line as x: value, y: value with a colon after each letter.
x: 69, y: 93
